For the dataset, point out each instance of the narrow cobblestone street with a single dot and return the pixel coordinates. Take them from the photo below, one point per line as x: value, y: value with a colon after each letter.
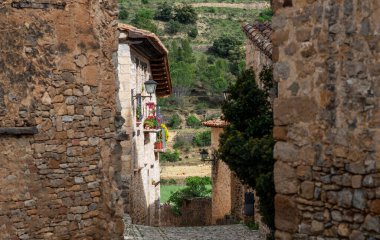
x: 224, y: 232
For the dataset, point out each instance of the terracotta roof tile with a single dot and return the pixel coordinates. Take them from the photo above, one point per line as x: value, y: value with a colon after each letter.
x: 260, y: 35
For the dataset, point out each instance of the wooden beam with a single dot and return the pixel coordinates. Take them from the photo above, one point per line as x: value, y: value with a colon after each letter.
x: 16, y: 131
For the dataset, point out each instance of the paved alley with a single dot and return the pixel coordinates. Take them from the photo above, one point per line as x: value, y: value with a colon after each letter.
x: 224, y: 232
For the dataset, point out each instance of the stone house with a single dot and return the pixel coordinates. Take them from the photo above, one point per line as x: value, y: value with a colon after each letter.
x: 327, y: 119
x: 229, y: 195
x: 141, y: 56
x: 57, y: 121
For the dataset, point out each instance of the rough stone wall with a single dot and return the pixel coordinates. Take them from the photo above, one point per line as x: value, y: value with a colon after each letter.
x: 327, y: 173
x: 255, y: 58
x: 57, y: 74
x: 195, y: 212
x: 221, y: 183
x: 140, y: 165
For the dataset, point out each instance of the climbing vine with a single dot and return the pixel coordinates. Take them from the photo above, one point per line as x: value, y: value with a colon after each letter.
x: 247, y: 143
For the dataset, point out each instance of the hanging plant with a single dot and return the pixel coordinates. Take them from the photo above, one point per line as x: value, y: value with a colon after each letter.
x: 151, y: 123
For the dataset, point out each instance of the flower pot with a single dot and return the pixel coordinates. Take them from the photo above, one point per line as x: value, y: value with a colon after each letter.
x: 158, y: 145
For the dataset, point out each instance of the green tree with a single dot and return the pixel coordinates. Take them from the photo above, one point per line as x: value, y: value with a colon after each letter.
x: 173, y: 27
x: 164, y: 12
x: 185, y: 14
x: 227, y: 47
x: 195, y: 187
x: 144, y: 20
x: 123, y: 13
x: 247, y: 143
x: 193, y: 122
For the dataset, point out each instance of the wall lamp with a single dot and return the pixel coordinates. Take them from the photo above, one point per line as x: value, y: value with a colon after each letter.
x: 150, y: 87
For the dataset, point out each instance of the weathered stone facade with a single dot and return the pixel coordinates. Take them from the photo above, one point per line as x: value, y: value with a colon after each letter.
x: 57, y: 79
x: 327, y: 65
x: 140, y: 172
x: 228, y: 192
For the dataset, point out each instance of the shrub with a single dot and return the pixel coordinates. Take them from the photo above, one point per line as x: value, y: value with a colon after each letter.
x: 123, y: 13
x: 193, y: 32
x: 182, y: 143
x: 195, y: 187
x: 144, y: 1
x: 170, y: 156
x: 173, y: 27
x: 227, y: 47
x: 164, y: 12
x: 144, y: 19
x: 202, y: 139
x: 185, y: 14
x: 193, y: 122
x: 175, y: 121
x: 200, y: 108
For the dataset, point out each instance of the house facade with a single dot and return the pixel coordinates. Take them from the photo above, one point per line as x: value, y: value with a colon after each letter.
x: 141, y: 57
x: 229, y: 195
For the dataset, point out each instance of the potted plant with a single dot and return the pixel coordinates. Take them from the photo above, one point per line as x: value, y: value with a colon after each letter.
x: 138, y: 114
x: 150, y: 123
x: 159, y: 143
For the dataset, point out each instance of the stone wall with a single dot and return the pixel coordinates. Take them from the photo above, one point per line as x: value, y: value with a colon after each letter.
x: 140, y: 165
x: 57, y: 77
x: 327, y: 173
x: 194, y: 212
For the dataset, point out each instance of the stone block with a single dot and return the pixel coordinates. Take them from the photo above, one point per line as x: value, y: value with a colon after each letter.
x: 287, y: 219
x: 294, y: 110
x: 307, y: 190
x: 375, y: 206
x: 285, y: 178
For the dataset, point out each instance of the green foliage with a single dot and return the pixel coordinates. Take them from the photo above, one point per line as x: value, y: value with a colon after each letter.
x: 175, y: 121
x: 252, y: 225
x: 202, y: 139
x: 195, y: 187
x: 144, y: 1
x: 193, y: 32
x: 185, y: 14
x: 151, y: 123
x: 193, y: 122
x: 173, y: 27
x: 164, y: 12
x: 227, y: 47
x: 144, y: 19
x: 170, y: 156
x: 247, y: 143
x: 265, y: 16
x: 123, y: 13
x: 182, y: 67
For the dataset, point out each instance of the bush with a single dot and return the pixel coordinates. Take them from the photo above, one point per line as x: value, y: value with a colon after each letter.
x: 202, y: 139
x: 123, y: 14
x: 227, y: 47
x: 185, y: 14
x: 144, y: 19
x: 193, y: 122
x: 195, y: 187
x: 173, y: 27
x: 175, y: 121
x: 164, y: 12
x: 170, y: 156
x: 193, y: 32
x: 144, y: 1
x: 201, y: 108
x: 181, y: 142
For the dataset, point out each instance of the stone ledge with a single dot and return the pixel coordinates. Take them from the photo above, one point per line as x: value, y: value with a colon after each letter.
x: 18, y: 130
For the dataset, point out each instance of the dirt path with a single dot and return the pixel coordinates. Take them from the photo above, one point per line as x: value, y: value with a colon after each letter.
x: 256, y: 5
x: 182, y: 172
